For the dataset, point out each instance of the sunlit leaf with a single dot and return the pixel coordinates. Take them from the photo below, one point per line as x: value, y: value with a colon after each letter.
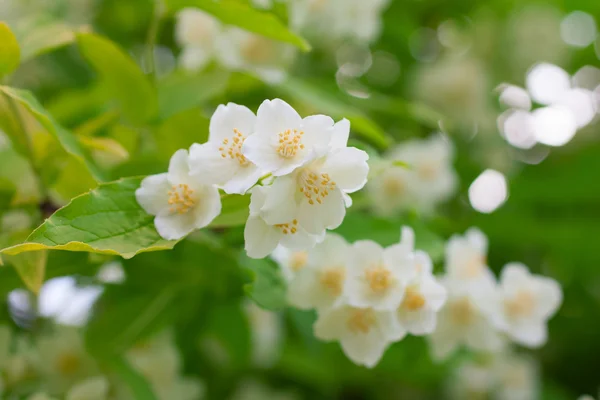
x: 107, y: 220
x: 241, y: 14
x: 31, y: 267
x: 68, y: 141
x: 42, y: 37
x: 123, y: 78
x: 10, y: 53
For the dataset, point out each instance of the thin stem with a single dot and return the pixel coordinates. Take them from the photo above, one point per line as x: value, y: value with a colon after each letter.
x: 152, y: 36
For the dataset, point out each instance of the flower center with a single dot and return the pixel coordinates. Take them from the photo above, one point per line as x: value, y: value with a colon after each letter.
x: 289, y: 143
x: 315, y: 187
x: 379, y: 278
x: 413, y: 299
x: 291, y: 227
x: 361, y: 320
x: 332, y: 279
x: 298, y: 260
x: 233, y: 148
x: 474, y: 266
x: 181, y: 198
x: 258, y: 50
x: 521, y: 305
x: 427, y: 171
x: 462, y: 311
x: 392, y: 186
x: 68, y: 363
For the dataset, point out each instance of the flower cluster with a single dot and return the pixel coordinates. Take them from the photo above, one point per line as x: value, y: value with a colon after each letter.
x: 203, y: 38
x: 299, y: 172
x: 567, y: 104
x: 366, y: 296
x: 482, y: 313
x: 56, y: 364
x: 428, y: 180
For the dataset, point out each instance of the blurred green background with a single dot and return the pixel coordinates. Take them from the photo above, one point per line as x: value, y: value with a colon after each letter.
x: 435, y: 66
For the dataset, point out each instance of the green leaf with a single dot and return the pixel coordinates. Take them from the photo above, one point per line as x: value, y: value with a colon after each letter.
x: 106, y: 220
x: 10, y: 53
x: 321, y: 100
x: 267, y: 289
x: 181, y: 92
x: 234, y: 211
x: 123, y: 316
x: 42, y: 37
x: 179, y: 132
x: 242, y: 15
x: 122, y: 77
x: 68, y: 141
x: 31, y: 267
x: 139, y: 386
x: 228, y: 325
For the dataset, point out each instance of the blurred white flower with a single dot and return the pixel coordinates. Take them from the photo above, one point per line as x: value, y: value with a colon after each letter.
x: 471, y: 380
x: 463, y: 321
x: 316, y: 192
x: 62, y: 360
x: 321, y: 283
x: 261, y: 238
x: 290, y: 261
x: 428, y: 180
x: 517, y: 377
x: 267, y: 336
x: 283, y: 141
x: 180, y: 203
x: 15, y: 220
x: 363, y: 333
x: 525, y: 303
x: 378, y: 276
x: 515, y: 97
x: 466, y: 261
x: 158, y: 360
x: 197, y: 33
x: 220, y: 160
x: 241, y: 50
x: 333, y: 20
x: 95, y: 388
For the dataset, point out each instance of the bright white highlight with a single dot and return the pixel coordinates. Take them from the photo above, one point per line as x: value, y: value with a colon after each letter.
x: 547, y: 83
x: 517, y: 128
x: 488, y: 192
x: 554, y: 125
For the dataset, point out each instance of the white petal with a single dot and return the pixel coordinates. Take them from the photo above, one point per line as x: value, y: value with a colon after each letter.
x: 276, y: 116
x: 179, y: 169
x: 365, y: 349
x: 90, y: 389
x: 482, y: 336
x: 365, y: 253
x: 280, y: 204
x: 301, y: 240
x: 341, y: 134
x: 477, y: 239
x: 209, y: 206
x: 260, y: 239
x: 347, y: 200
x: 318, y: 130
x: 387, y: 322
x: 306, y: 292
x: 174, y: 226
x: 261, y: 151
x: 435, y: 293
x: 420, y: 322
x: 228, y: 118
x: 423, y: 262
x: 195, y: 58
x: 243, y: 180
x: 333, y: 250
x: 401, y: 261
x: 529, y: 333
x: 317, y: 217
x: 549, y: 297
x: 257, y: 199
x: 208, y: 166
x: 348, y: 168
x: 514, y: 274
x: 331, y: 323
x: 271, y: 75
x: 407, y: 237
x: 443, y: 343
x: 153, y: 195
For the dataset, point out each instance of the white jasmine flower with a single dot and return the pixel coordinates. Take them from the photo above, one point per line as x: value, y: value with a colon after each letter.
x: 463, y: 321
x: 363, y: 333
x: 322, y: 282
x: 290, y: 261
x: 472, y: 380
x: 266, y: 333
x: 261, y: 238
x: 220, y: 160
x: 466, y: 260
x: 63, y: 360
x: 95, y: 388
x: 526, y: 303
x: 389, y: 190
x: 423, y: 298
x: 180, y: 203
x: 283, y: 141
x: 197, y: 33
x: 241, y: 50
x: 517, y: 377
x: 378, y: 277
x: 316, y: 193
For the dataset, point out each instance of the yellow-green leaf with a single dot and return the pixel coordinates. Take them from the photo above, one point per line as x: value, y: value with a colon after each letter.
x: 31, y: 267
x: 10, y: 53
x: 241, y: 14
x: 123, y: 78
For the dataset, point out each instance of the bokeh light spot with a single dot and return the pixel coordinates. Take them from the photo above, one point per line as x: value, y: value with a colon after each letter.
x: 488, y: 191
